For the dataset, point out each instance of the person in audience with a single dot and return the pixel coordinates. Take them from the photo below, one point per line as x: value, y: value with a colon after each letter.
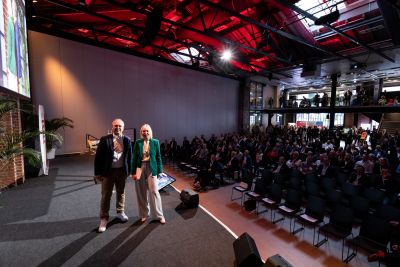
x: 308, y: 166
x: 325, y: 169
x: 146, y: 168
x: 294, y: 162
x: 392, y: 255
x: 233, y: 165
x: 347, y: 166
x: 382, y: 101
x: 215, y: 167
x: 112, y: 165
x: 281, y: 168
x: 366, y: 163
x: 359, y: 178
x: 389, y: 185
x: 247, y: 164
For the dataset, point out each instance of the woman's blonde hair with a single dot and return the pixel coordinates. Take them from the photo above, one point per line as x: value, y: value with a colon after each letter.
x: 148, y: 128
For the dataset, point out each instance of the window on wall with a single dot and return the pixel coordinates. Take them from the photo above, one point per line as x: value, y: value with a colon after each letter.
x: 255, y: 118
x: 256, y: 95
x: 319, y: 119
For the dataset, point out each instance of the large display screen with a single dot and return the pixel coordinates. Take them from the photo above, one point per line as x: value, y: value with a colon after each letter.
x: 14, y: 47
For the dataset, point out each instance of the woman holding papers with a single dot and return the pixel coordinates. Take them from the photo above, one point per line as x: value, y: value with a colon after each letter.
x: 146, y: 168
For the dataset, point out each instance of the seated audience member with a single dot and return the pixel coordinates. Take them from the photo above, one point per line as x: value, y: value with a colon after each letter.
x: 308, y: 166
x: 281, y: 168
x: 347, y: 165
x: 232, y: 165
x: 359, y: 178
x: 366, y: 163
x: 258, y: 160
x: 272, y: 156
x: 215, y: 167
x: 202, y: 155
x: 325, y: 169
x: 201, y: 181
x: 392, y: 255
x: 247, y: 164
x: 295, y: 161
x: 387, y: 183
x: 382, y: 163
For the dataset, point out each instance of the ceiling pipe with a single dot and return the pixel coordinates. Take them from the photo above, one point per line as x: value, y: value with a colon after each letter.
x: 313, y: 18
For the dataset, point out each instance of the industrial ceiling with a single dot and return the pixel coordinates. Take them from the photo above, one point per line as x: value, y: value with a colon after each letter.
x: 284, y: 41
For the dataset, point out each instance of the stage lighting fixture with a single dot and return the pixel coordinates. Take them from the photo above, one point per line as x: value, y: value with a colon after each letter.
x: 328, y: 18
x: 226, y: 55
x: 355, y: 66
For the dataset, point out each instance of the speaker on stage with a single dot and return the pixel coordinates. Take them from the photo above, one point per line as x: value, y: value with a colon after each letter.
x: 152, y: 27
x: 189, y: 198
x: 246, y: 252
x: 277, y: 260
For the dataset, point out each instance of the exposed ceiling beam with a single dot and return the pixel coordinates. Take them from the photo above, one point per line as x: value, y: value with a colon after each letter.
x: 205, y: 33
x: 200, y: 48
x: 350, y: 27
x: 272, y: 29
x: 313, y: 18
x: 391, y: 18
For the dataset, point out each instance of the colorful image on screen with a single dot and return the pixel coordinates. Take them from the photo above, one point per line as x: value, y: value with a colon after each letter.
x: 164, y: 181
x: 14, y: 47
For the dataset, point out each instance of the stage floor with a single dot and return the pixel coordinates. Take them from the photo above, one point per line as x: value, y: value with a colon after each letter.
x: 52, y: 221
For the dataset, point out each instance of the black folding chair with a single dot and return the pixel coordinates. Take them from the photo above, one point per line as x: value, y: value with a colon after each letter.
x: 374, y: 235
x: 375, y: 196
x: 312, y: 189
x: 241, y: 188
x: 360, y: 208
x: 272, y: 201
x: 313, y: 215
x: 257, y: 194
x: 388, y: 213
x: 333, y: 199
x: 291, y: 207
x: 349, y: 191
x: 340, y: 226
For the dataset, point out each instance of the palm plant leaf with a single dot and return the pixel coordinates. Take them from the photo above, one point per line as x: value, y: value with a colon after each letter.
x: 11, y: 146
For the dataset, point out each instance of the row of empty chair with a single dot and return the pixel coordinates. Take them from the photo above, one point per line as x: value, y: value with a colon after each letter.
x: 330, y: 211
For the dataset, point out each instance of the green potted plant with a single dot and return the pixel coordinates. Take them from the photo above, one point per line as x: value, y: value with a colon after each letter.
x: 54, y: 125
x: 12, y: 145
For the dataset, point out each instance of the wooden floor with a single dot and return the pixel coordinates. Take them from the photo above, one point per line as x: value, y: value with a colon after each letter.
x: 270, y: 239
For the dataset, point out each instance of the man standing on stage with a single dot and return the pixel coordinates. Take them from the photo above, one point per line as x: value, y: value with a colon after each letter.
x: 112, y: 165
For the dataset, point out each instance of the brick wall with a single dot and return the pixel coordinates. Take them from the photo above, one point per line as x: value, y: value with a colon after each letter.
x: 13, y: 173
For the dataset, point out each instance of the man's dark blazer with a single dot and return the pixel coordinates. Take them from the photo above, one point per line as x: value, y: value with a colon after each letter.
x: 330, y: 172
x: 105, y: 152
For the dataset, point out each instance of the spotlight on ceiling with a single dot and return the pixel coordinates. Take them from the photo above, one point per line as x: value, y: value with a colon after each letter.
x: 355, y: 66
x: 328, y: 18
x: 226, y: 55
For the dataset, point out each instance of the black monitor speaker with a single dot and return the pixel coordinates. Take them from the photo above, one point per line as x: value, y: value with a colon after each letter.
x: 189, y: 198
x: 277, y: 261
x: 246, y: 252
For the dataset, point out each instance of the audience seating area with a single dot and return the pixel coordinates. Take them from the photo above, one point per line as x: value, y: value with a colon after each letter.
x: 310, y: 184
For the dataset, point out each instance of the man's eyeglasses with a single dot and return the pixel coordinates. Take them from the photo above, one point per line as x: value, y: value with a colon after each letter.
x: 117, y: 126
